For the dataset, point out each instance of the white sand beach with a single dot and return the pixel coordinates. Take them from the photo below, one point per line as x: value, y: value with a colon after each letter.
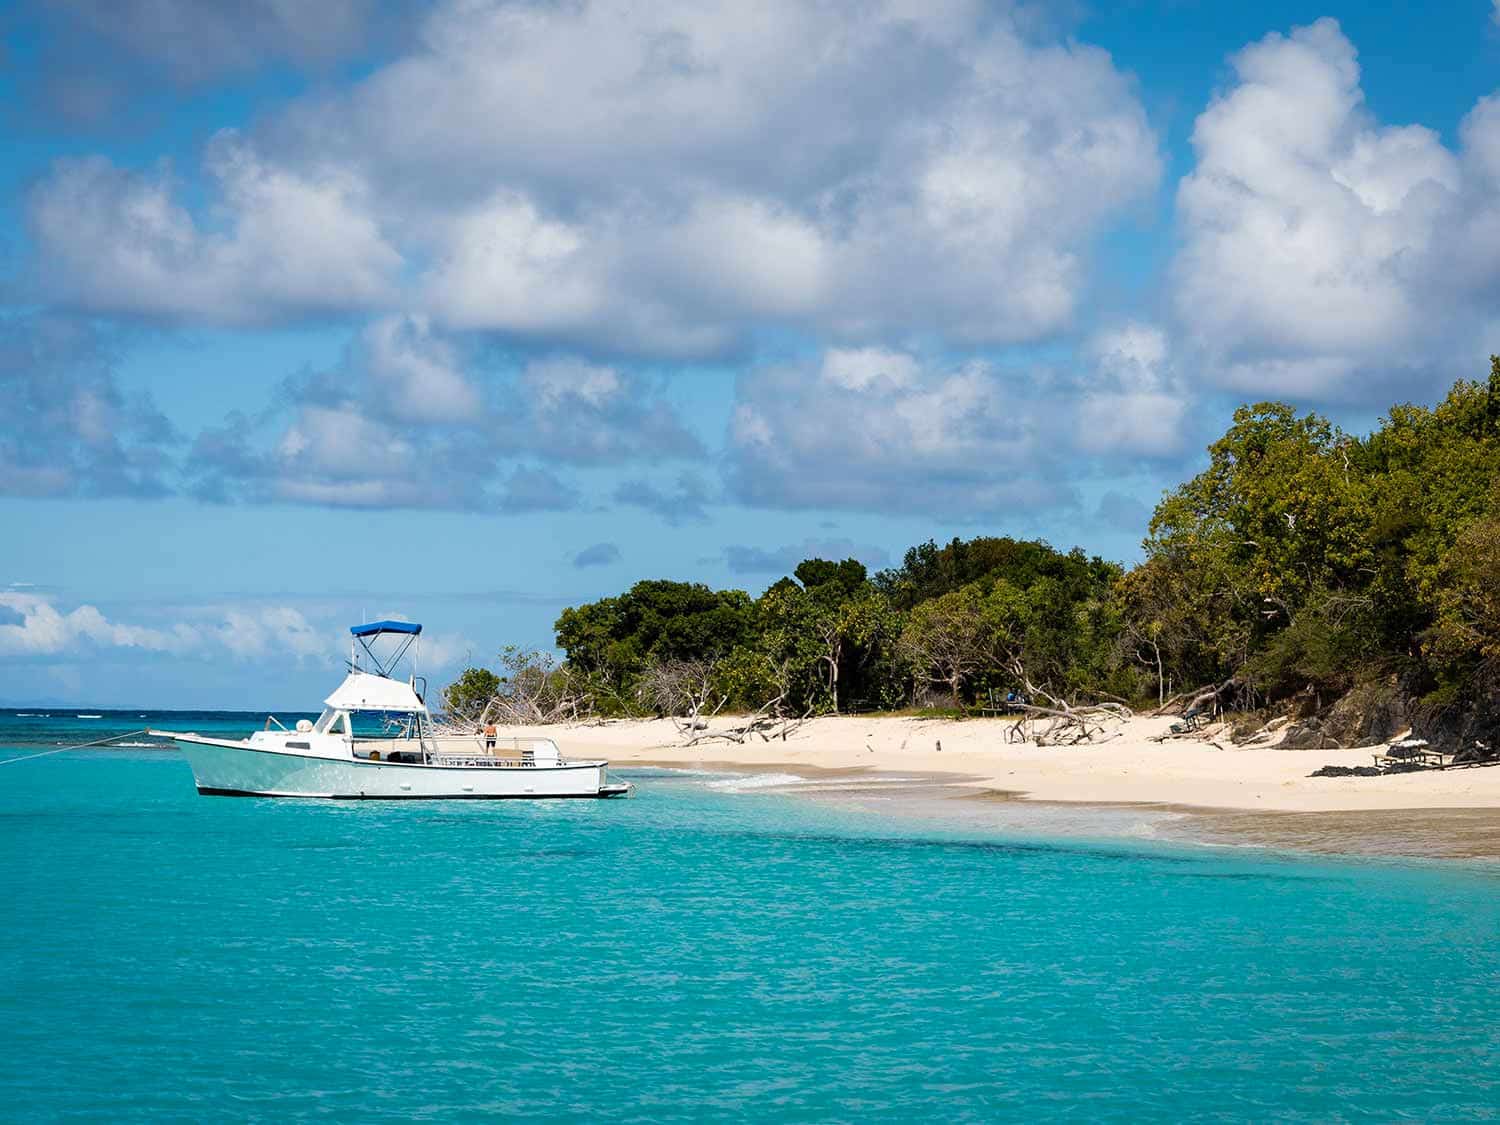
x: 1130, y: 768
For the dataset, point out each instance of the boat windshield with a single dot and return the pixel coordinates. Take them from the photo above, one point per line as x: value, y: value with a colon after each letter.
x: 384, y: 724
x: 367, y: 724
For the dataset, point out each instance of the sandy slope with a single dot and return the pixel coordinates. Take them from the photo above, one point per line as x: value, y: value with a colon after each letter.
x: 1129, y: 768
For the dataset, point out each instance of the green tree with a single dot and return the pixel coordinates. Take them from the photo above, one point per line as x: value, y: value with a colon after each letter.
x: 952, y: 638
x: 655, y: 620
x: 466, y: 697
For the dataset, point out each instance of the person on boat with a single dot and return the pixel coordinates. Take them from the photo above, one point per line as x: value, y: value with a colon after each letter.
x: 489, y: 737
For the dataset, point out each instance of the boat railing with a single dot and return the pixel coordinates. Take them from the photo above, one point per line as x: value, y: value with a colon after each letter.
x: 515, y: 742
x: 482, y: 761
x: 511, y: 753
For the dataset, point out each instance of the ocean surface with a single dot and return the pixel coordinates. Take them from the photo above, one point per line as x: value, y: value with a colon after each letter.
x: 707, y: 950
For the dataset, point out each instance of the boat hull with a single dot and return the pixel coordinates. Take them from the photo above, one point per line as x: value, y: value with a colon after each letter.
x: 239, y: 770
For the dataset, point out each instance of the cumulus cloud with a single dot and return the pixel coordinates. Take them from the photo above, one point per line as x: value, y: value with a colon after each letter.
x: 784, y: 560
x: 89, y: 62
x: 882, y: 431
x: 40, y: 629
x: 1322, y: 249
x: 286, y: 243
x: 414, y: 373
x: 854, y: 170
x: 196, y: 42
x: 267, y: 630
x: 536, y: 490
x: 684, y: 502
x: 1132, y: 402
x: 44, y: 630
x: 567, y: 408
x: 67, y: 428
x: 340, y: 456
x: 600, y: 554
x: 415, y: 417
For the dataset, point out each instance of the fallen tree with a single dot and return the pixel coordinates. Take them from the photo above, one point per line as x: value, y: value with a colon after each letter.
x: 1195, y: 701
x: 1066, y: 724
x: 686, y: 693
x: 534, y: 691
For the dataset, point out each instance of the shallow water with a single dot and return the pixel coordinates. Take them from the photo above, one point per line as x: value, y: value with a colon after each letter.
x: 702, y: 952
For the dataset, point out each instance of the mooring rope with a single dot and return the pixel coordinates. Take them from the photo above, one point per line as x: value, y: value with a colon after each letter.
x: 80, y: 746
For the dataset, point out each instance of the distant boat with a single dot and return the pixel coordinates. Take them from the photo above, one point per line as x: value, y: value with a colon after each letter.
x: 329, y: 759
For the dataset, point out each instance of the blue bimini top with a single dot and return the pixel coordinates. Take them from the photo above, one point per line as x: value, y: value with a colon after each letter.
x: 375, y: 628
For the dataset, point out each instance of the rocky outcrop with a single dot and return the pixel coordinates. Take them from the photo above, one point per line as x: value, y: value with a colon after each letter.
x: 1371, y: 713
x: 1474, y: 718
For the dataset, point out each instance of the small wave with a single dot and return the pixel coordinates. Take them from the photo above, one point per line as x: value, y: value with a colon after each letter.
x: 88, y: 716
x: 757, y: 781
x: 145, y: 745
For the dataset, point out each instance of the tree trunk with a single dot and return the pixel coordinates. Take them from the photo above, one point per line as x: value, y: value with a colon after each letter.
x: 833, y: 673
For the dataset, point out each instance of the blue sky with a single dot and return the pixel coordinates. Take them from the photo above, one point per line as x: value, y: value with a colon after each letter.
x: 465, y: 312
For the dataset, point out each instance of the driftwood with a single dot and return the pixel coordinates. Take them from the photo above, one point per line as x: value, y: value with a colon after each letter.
x: 684, y: 691
x: 1266, y: 732
x: 1072, y: 726
x: 1209, y: 735
x: 522, y: 711
x: 769, y: 722
x: 1066, y: 725
x: 1194, y: 700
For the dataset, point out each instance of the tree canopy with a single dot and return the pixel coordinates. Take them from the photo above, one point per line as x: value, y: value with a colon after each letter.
x: 1299, y: 562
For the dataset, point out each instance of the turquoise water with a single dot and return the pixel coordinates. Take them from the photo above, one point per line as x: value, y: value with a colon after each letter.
x: 698, y: 954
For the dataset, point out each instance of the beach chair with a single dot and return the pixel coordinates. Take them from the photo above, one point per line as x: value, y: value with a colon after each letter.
x: 1190, y: 721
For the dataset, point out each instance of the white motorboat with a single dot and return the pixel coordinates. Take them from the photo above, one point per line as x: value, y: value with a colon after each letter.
x: 375, y: 741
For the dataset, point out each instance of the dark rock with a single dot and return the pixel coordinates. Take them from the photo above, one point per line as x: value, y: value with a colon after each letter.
x: 1370, y: 713
x: 1475, y: 716
x: 1307, y: 735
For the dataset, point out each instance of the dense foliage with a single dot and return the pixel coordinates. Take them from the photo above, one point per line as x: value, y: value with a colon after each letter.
x: 1300, y: 562
x: 466, y: 697
x: 959, y: 620
x: 1304, y: 560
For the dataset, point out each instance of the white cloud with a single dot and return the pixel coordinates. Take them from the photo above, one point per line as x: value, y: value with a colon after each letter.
x: 859, y: 369
x: 67, y: 428
x: 268, y: 633
x: 416, y: 373
x: 414, y: 417
x: 197, y: 41
x: 965, y: 439
x: 284, y: 243
x: 1321, y: 247
x: 566, y: 408
x: 44, y: 630
x: 661, y: 179
x: 1132, y: 402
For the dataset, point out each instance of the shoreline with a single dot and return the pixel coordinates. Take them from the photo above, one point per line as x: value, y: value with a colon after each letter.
x: 1187, y: 790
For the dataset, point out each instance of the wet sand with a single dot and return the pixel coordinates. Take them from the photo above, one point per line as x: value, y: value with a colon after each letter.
x: 1130, y: 786
x: 1445, y: 833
